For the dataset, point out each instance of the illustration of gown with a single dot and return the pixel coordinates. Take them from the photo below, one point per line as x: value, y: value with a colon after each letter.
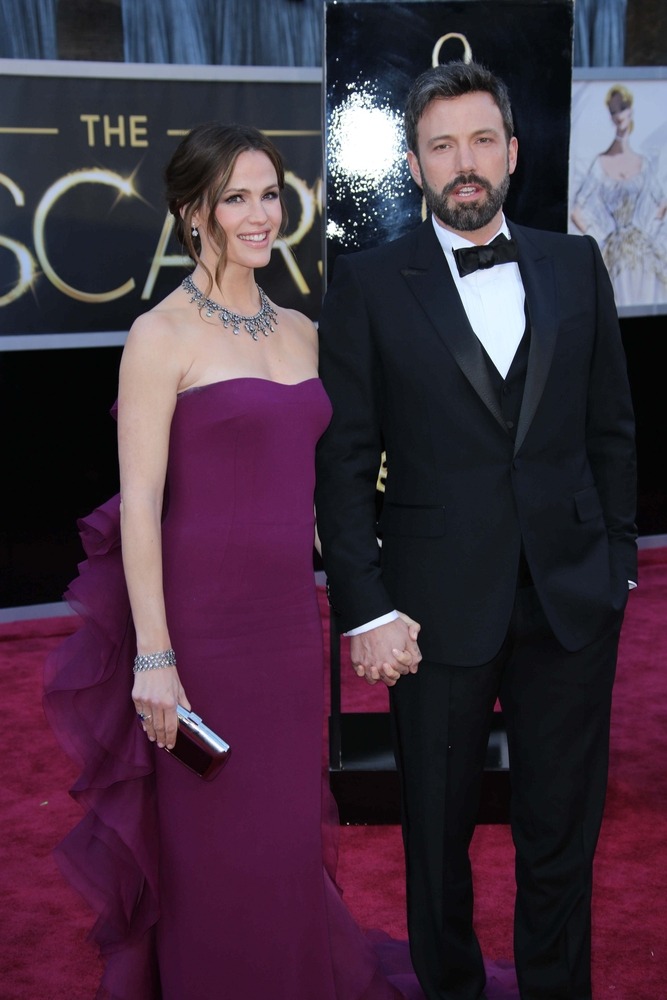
x: 622, y: 216
x: 214, y: 890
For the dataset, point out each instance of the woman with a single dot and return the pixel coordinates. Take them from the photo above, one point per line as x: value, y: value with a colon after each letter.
x: 622, y: 204
x: 211, y: 890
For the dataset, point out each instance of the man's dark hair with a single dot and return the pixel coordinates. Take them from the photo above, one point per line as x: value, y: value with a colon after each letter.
x: 452, y: 80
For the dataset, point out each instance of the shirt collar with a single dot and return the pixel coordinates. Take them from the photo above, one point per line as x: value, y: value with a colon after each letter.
x: 452, y: 241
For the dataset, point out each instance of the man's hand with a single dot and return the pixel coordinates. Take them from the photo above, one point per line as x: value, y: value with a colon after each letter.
x: 387, y: 652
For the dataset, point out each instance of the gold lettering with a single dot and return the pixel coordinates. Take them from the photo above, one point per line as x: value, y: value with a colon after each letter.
x: 24, y: 259
x: 161, y: 259
x: 382, y: 473
x: 26, y: 267
x: 90, y: 122
x: 467, y: 50
x: 136, y: 127
x: 60, y: 187
x: 284, y: 246
x: 319, y: 202
x: 111, y: 130
x: 14, y: 190
x: 137, y: 130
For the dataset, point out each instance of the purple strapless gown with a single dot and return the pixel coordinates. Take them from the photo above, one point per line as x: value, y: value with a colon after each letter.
x: 221, y: 890
x: 216, y: 890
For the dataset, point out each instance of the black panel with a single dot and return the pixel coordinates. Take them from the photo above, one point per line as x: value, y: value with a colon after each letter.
x: 58, y: 463
x: 643, y: 338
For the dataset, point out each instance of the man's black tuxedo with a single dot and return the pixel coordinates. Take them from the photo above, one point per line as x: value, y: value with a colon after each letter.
x: 405, y: 373
x: 508, y: 532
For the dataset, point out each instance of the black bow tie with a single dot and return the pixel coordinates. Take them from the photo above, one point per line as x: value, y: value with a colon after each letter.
x: 498, y: 251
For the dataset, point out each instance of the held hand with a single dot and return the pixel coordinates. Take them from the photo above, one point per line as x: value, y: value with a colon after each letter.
x: 155, y: 694
x: 387, y: 652
x: 414, y: 628
x: 407, y: 658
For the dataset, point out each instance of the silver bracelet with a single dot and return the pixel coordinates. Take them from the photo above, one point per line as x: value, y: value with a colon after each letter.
x: 155, y: 661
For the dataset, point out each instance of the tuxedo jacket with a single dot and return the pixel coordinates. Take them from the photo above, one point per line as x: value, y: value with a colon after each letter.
x: 407, y: 375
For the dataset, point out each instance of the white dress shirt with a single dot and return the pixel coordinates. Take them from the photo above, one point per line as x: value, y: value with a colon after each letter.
x: 492, y: 297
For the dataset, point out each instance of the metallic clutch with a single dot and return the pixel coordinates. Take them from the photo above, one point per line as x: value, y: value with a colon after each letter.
x: 198, y: 747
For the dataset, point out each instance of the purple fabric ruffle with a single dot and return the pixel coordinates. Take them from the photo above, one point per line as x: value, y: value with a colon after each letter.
x: 111, y: 856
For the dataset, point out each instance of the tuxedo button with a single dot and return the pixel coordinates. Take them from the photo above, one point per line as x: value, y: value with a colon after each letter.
x: 510, y: 424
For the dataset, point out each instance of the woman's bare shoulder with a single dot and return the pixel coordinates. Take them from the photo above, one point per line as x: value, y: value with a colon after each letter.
x: 163, y: 318
x: 160, y: 340
x: 299, y: 323
x: 167, y: 321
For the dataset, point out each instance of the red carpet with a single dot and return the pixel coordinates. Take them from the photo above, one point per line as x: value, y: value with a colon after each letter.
x: 43, y: 924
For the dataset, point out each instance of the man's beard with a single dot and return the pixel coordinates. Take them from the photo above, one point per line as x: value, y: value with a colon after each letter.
x: 466, y: 216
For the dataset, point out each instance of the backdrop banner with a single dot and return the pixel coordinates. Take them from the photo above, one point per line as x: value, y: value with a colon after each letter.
x: 86, y: 243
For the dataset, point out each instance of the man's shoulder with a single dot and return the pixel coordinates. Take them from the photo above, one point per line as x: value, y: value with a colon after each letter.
x: 574, y: 256
x: 546, y: 238
x: 392, y: 250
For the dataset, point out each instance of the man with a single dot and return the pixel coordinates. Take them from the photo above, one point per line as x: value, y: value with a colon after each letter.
x: 501, y: 398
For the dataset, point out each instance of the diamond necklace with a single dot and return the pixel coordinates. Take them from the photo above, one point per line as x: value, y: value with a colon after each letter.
x: 261, y: 322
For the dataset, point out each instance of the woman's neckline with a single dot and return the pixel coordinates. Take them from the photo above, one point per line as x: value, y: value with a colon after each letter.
x: 245, y: 378
x: 616, y: 178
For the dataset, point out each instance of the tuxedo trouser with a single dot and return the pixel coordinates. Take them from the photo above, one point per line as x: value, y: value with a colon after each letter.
x: 556, y: 709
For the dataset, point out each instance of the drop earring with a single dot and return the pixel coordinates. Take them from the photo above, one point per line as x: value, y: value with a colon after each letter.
x: 195, y: 232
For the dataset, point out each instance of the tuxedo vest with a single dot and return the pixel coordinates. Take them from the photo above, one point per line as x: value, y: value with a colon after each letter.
x: 509, y: 391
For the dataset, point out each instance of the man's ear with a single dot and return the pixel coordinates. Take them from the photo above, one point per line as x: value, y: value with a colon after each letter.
x: 415, y: 169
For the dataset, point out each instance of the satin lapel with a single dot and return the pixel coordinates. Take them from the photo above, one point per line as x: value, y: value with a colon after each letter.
x: 430, y: 281
x: 538, y: 282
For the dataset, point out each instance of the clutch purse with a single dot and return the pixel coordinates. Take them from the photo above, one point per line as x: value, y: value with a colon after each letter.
x: 198, y: 747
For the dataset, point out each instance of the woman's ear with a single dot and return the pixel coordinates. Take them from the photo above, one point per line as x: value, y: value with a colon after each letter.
x: 193, y: 221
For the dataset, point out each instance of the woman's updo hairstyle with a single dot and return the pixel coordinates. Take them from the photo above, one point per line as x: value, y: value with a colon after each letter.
x: 198, y: 173
x: 624, y: 95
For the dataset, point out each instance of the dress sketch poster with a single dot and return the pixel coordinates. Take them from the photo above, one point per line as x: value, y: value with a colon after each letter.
x: 375, y: 50
x: 618, y: 179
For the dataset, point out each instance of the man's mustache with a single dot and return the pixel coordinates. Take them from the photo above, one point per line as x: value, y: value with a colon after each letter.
x: 467, y: 179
